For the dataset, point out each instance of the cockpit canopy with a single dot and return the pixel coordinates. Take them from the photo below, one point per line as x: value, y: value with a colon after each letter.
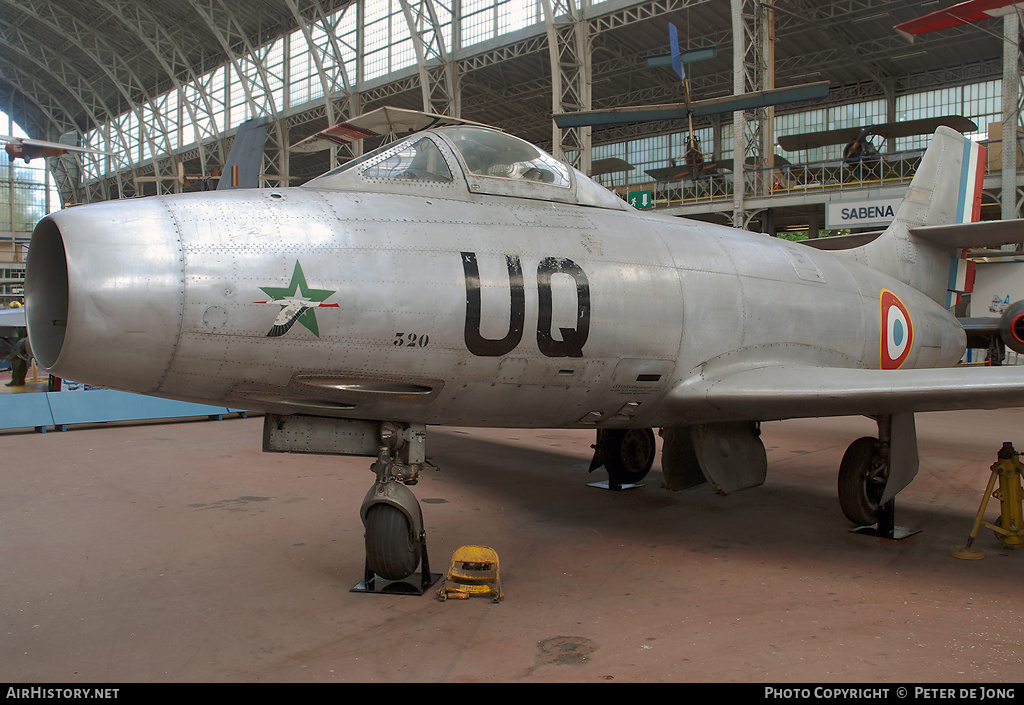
x: 467, y: 160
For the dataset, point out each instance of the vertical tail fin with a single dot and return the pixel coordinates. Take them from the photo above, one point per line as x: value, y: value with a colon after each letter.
x: 245, y: 161
x: 945, y: 190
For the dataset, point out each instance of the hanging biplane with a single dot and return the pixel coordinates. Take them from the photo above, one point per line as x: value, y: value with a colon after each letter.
x: 860, y: 154
x: 858, y: 139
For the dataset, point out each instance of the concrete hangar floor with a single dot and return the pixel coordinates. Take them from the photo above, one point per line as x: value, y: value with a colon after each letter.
x: 178, y: 552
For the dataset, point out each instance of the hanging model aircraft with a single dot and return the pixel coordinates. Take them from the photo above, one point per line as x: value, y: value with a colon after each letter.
x: 28, y: 149
x: 242, y: 168
x: 969, y: 12
x: 676, y: 171
x: 460, y: 276
x: 695, y: 163
x: 387, y: 122
x: 858, y: 139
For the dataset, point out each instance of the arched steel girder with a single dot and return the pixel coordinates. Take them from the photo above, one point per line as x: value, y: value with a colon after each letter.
x: 105, y: 58
x: 230, y: 35
x: 325, y: 85
x: 570, y: 47
x: 169, y: 54
x: 439, y: 78
x: 349, y: 105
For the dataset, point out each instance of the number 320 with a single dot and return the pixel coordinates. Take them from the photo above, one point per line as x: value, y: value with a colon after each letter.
x: 410, y: 340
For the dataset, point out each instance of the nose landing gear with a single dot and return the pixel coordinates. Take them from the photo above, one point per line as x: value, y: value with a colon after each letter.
x: 396, y: 542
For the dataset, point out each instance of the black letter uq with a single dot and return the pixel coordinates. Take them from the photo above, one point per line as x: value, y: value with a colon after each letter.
x: 572, y: 339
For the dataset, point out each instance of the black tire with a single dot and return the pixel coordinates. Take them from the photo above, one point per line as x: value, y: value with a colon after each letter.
x: 862, y: 477
x: 391, y: 550
x: 628, y: 454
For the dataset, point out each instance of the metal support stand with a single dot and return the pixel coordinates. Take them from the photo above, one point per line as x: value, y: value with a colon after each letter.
x: 886, y: 527
x: 373, y: 583
x: 1009, y: 528
x: 615, y: 487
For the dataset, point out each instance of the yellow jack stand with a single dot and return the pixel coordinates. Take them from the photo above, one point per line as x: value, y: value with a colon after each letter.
x: 474, y: 571
x: 1009, y: 528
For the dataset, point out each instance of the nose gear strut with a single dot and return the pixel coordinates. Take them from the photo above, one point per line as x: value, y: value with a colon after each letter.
x: 396, y: 542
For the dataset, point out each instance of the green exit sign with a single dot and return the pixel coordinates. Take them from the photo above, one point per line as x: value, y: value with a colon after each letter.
x: 641, y: 199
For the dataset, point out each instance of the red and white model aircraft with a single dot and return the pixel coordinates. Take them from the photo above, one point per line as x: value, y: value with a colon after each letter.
x: 967, y: 12
x: 28, y: 149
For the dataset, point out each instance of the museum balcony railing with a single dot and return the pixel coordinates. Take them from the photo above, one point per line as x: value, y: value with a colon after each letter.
x: 873, y: 172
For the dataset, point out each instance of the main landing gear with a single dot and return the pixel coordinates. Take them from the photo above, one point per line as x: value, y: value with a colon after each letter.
x: 874, y: 470
x: 396, y: 542
x: 627, y: 454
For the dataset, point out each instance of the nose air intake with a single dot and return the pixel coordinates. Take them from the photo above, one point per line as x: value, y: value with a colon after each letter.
x: 104, y: 290
x: 46, y: 288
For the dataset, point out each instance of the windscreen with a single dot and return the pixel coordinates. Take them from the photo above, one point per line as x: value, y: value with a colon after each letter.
x: 492, y: 153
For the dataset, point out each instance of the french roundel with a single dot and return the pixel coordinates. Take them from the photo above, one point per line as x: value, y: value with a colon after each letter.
x: 897, y: 331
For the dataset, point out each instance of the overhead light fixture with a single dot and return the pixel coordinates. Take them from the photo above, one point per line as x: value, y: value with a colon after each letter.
x: 875, y: 16
x: 909, y: 55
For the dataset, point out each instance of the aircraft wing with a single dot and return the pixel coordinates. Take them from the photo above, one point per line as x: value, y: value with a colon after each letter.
x: 387, y: 121
x: 924, y: 126
x: 10, y: 321
x: 984, y: 233
x: 29, y: 142
x: 688, y: 56
x: 888, y: 130
x: 610, y: 165
x: 963, y: 13
x: 669, y: 173
x: 980, y: 325
x: 791, y: 391
x: 823, y: 138
x: 698, y: 108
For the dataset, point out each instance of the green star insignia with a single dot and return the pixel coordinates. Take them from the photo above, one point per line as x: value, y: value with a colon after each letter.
x: 298, y: 303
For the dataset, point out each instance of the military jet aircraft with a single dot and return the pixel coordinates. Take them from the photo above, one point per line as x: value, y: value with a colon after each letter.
x: 461, y: 276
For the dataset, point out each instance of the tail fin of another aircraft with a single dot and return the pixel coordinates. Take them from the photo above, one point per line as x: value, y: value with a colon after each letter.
x: 938, y: 218
x: 245, y: 161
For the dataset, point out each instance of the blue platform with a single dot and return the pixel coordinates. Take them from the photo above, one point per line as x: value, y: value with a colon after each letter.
x: 60, y: 409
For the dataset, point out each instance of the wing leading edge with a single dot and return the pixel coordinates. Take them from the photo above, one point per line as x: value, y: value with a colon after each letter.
x: 774, y: 392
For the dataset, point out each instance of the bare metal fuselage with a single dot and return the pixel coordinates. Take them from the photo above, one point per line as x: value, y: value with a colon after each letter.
x: 478, y: 310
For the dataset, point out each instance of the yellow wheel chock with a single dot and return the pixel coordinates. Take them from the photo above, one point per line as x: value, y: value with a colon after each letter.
x: 473, y: 571
x: 1009, y: 527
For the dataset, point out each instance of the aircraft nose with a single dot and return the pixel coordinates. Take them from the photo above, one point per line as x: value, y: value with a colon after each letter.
x: 104, y: 293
